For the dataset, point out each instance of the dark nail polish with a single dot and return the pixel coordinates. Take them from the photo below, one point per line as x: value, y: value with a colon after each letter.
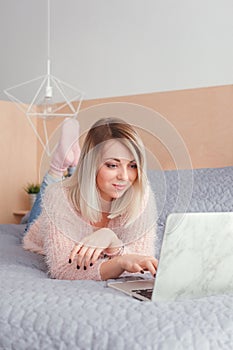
x: 91, y: 264
x: 142, y: 271
x: 70, y: 261
x: 85, y: 268
x: 78, y: 267
x: 155, y: 275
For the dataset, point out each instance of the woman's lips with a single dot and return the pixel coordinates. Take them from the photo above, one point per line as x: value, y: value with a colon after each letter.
x: 119, y: 187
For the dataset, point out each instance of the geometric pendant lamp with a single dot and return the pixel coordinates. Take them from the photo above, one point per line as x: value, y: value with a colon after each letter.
x: 46, y: 97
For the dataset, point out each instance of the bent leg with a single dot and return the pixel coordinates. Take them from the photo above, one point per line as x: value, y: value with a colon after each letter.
x: 65, y: 157
x: 37, y: 207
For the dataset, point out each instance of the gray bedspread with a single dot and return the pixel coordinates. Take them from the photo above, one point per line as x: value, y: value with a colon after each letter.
x: 37, y: 312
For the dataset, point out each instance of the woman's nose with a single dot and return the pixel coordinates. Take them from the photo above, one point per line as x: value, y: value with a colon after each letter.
x: 123, y: 173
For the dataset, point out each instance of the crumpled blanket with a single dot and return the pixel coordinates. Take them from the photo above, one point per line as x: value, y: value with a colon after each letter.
x: 37, y: 312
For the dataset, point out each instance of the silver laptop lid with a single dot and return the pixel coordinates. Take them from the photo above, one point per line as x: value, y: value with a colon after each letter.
x: 196, y: 258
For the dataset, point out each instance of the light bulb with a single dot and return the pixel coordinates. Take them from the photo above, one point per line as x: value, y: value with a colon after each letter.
x: 48, y: 106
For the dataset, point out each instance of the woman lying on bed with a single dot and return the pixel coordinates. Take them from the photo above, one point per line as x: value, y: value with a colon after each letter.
x: 101, y: 221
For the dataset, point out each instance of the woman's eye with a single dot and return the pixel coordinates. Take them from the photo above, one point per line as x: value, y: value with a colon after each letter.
x: 111, y: 166
x: 133, y: 166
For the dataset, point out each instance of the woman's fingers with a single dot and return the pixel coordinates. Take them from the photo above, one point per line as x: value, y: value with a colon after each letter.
x: 91, y: 256
x: 138, y: 263
x: 89, y: 249
x: 137, y: 268
x: 86, y: 256
x: 150, y: 264
x: 81, y: 257
x: 74, y: 251
x: 96, y: 254
x: 150, y: 267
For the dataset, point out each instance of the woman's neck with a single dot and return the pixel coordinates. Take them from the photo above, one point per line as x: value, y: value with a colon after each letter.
x: 103, y: 222
x: 105, y: 205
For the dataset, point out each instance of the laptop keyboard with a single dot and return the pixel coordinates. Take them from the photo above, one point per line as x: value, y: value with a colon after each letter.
x: 144, y: 292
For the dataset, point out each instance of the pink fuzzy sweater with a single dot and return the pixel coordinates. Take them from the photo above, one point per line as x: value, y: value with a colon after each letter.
x: 59, y: 226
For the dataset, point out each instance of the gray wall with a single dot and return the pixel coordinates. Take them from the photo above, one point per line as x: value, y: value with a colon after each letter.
x: 119, y: 47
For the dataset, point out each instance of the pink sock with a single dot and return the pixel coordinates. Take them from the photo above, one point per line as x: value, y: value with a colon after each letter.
x: 68, y: 150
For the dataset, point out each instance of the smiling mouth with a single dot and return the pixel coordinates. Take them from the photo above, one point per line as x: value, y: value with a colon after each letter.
x: 119, y: 187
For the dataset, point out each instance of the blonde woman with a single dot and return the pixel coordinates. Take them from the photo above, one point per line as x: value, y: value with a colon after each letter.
x: 100, y: 222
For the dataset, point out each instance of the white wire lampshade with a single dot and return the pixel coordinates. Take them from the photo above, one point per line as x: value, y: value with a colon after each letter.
x: 47, y: 98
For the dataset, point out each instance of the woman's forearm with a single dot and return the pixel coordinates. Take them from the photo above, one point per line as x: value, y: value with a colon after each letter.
x: 111, y: 268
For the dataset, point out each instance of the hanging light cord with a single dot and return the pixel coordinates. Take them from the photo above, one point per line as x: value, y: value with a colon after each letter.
x: 48, y: 92
x: 48, y: 31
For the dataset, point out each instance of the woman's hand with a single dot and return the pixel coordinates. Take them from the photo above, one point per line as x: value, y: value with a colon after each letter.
x: 129, y: 262
x: 91, y: 247
x: 138, y: 263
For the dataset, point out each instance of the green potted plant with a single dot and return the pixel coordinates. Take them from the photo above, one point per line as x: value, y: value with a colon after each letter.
x: 32, y: 190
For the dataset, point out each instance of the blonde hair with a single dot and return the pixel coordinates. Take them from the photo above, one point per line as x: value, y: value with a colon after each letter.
x: 83, y: 190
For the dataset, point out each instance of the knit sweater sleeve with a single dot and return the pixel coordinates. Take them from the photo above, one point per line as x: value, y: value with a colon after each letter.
x: 57, y: 249
x: 53, y: 234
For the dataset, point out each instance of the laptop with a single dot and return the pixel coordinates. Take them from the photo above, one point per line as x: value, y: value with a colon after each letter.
x: 196, y: 260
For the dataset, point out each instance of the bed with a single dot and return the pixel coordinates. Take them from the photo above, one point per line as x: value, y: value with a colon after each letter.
x: 37, y: 312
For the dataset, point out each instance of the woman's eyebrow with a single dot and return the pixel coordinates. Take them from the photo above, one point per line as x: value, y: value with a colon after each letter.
x: 118, y: 160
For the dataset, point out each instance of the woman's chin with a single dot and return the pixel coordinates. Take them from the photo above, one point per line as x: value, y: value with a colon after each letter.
x: 117, y: 195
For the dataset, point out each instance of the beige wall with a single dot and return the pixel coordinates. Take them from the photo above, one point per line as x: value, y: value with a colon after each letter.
x: 18, y: 160
x: 202, y: 117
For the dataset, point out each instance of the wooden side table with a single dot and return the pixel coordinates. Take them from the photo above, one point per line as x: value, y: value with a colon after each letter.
x: 18, y: 214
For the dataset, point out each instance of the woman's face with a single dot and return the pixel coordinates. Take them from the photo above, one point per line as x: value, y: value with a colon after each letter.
x: 117, y: 172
